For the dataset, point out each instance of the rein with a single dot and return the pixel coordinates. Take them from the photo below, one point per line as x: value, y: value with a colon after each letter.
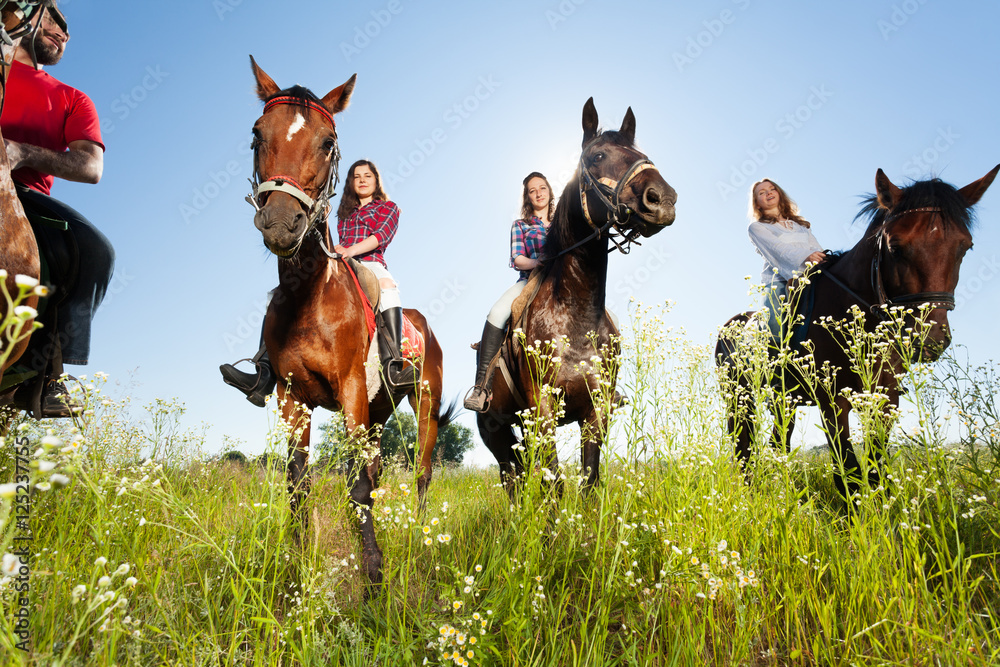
x: 315, y: 208
x: 936, y: 300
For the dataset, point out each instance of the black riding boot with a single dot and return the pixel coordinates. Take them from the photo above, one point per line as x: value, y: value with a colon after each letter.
x: 478, y: 397
x: 399, y: 373
x: 256, y: 385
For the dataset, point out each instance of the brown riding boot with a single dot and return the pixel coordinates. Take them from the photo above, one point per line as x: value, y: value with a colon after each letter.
x: 478, y: 398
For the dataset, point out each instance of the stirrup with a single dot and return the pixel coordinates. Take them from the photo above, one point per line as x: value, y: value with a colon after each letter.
x: 469, y: 404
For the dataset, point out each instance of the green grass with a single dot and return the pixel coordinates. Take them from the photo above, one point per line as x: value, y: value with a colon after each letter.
x: 673, y: 560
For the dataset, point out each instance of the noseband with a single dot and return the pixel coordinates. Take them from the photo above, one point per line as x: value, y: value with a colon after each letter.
x: 315, y: 208
x: 935, y: 300
x: 609, y: 192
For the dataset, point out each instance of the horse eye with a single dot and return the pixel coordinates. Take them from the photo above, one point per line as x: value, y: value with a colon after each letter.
x: 329, y: 145
x: 598, y: 157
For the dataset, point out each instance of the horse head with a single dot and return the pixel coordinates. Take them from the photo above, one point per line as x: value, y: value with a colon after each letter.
x: 295, y: 160
x: 921, y: 234
x: 616, y: 177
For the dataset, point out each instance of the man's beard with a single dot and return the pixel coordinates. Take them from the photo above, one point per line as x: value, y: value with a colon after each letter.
x: 46, y: 53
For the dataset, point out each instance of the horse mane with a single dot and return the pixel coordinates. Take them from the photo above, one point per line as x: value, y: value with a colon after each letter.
x: 921, y: 194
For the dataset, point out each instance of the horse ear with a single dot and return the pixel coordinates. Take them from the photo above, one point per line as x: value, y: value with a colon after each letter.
x: 888, y: 194
x: 628, y: 126
x: 974, y: 191
x: 589, y: 121
x: 266, y: 87
x: 337, y: 99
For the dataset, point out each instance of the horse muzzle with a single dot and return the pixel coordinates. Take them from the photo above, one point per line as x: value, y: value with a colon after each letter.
x: 656, y: 208
x: 283, y: 230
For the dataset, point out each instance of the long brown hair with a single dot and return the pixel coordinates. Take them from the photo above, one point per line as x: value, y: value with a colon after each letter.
x: 527, y: 210
x: 787, y: 209
x: 350, y: 200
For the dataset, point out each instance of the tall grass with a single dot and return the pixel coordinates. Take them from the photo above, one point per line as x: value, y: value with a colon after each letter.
x: 673, y: 559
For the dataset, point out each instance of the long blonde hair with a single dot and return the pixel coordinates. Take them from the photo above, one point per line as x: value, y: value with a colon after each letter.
x: 787, y: 209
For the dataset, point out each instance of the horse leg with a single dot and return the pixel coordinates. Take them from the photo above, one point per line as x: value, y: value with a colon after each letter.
x: 297, y: 418
x: 427, y: 408
x: 499, y: 438
x: 741, y: 425
x: 781, y: 437
x: 845, y: 474
x: 365, y: 475
x: 591, y: 430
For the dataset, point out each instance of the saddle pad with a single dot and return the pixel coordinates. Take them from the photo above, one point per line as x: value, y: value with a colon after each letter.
x: 413, y: 340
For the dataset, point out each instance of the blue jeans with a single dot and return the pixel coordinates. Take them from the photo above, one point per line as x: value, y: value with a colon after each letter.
x: 97, y: 263
x: 775, y: 297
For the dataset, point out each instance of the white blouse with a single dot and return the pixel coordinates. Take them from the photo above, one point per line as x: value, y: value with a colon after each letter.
x: 784, y: 249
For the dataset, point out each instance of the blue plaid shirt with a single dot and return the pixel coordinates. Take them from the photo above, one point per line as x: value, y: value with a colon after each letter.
x: 527, y: 238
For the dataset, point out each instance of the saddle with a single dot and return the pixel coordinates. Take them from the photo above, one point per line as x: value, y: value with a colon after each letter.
x: 504, y: 361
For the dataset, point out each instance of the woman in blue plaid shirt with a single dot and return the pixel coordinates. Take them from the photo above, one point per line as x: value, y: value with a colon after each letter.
x: 527, y: 240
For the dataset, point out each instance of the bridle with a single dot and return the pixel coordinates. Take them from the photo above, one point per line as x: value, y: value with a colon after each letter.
x: 315, y: 208
x: 935, y: 300
x: 609, y: 192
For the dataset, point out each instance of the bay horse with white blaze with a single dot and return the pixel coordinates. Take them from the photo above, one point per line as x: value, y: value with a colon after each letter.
x: 315, y: 327
x: 615, y: 196
x: 906, y: 266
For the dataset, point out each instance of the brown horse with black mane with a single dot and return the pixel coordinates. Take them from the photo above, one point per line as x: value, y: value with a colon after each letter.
x: 616, y: 195
x: 18, y: 249
x: 905, y: 266
x: 315, y: 328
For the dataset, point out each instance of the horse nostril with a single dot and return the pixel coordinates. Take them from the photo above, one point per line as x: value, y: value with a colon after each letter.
x: 652, y: 197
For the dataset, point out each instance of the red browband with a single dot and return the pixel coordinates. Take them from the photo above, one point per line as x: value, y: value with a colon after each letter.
x: 298, y: 101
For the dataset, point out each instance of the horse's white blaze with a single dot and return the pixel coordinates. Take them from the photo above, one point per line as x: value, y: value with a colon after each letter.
x: 296, y: 125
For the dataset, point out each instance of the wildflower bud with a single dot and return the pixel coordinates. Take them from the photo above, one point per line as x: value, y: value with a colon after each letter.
x: 24, y: 281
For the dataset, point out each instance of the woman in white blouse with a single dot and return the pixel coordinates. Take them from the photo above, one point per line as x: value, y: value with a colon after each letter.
x: 785, y: 241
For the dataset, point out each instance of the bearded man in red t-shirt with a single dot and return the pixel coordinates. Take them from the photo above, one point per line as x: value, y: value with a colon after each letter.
x: 52, y: 130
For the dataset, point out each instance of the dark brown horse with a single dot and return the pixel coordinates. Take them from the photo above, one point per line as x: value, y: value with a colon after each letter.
x: 315, y: 328
x: 18, y: 249
x: 905, y: 266
x: 615, y: 196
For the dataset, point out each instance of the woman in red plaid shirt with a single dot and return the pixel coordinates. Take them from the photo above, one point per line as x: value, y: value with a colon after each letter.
x: 366, y: 223
x: 527, y: 240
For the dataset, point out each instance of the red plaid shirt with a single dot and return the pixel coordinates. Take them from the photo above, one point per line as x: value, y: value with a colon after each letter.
x: 379, y: 219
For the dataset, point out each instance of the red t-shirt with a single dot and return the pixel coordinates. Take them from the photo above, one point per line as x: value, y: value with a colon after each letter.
x: 42, y: 111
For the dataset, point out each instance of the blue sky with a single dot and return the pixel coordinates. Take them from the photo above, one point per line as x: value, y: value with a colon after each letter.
x: 457, y: 102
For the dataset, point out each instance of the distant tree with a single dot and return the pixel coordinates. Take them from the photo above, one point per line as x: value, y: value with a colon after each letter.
x: 399, y: 437
x: 234, y: 456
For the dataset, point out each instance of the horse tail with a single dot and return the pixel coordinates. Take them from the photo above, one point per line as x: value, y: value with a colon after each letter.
x: 448, y: 415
